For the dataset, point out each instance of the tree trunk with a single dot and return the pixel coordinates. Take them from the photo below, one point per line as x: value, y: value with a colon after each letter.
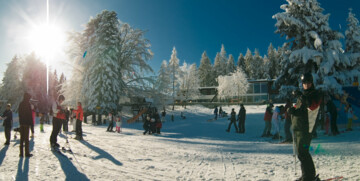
x: 99, y: 119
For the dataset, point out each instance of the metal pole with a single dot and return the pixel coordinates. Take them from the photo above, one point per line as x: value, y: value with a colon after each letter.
x: 294, y: 150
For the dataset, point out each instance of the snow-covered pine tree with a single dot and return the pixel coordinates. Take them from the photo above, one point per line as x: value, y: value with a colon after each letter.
x: 315, y: 46
x: 189, y: 83
x: 267, y: 71
x: 230, y: 66
x: 205, y: 72
x: 249, y: 71
x: 223, y: 61
x: 11, y: 89
x: 163, y: 80
x: 34, y: 81
x: 233, y: 85
x: 257, y: 65
x: 101, y: 85
x: 241, y: 62
x: 273, y: 62
x: 174, y: 73
x: 217, y: 65
x: 352, y: 34
x: 352, y: 40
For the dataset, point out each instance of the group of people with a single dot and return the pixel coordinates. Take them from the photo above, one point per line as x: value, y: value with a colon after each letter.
x: 240, y: 118
x: 118, y: 122
x: 26, y: 121
x: 152, y: 123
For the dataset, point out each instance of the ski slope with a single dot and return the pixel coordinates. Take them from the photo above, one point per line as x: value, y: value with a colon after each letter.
x: 190, y: 149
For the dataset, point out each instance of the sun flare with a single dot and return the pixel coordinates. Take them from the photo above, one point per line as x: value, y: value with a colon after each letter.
x: 46, y: 40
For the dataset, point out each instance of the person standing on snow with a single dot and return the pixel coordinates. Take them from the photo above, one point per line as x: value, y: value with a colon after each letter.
x: 216, y: 112
x: 232, y: 120
x: 25, y: 120
x: 303, y: 117
x: 333, y: 116
x: 111, y: 122
x: 287, y: 126
x: 267, y: 119
x: 241, y: 118
x: 58, y: 119
x: 79, y: 114
x: 8, y: 121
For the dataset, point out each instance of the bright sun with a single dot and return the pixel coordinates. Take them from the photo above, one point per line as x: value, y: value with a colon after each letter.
x: 46, y: 40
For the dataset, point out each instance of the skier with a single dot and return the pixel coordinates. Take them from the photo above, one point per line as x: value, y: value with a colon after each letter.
x: 331, y: 108
x: 8, y: 121
x: 350, y: 115
x: 220, y: 112
x: 42, y: 121
x: 146, y: 124
x: 275, y: 120
x: 288, y: 137
x: 158, y: 124
x: 79, y: 118
x: 25, y: 119
x: 111, y: 122
x: 232, y: 120
x: 118, y: 124
x: 241, y: 118
x: 163, y: 114
x: 216, y: 112
x: 303, y: 120
x: 267, y: 119
x: 59, y: 116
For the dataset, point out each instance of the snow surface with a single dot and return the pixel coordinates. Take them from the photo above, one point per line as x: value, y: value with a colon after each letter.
x: 190, y: 149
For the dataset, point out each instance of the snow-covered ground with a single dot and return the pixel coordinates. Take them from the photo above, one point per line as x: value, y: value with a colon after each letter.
x: 190, y: 149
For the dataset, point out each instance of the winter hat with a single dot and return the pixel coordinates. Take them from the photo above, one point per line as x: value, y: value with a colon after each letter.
x: 306, y: 78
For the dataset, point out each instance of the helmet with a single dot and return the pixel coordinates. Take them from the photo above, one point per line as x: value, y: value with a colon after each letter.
x: 306, y: 78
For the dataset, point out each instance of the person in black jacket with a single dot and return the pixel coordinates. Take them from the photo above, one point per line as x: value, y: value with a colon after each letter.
x: 333, y: 116
x: 25, y: 119
x: 232, y: 120
x: 303, y: 119
x: 241, y: 118
x: 7, y: 116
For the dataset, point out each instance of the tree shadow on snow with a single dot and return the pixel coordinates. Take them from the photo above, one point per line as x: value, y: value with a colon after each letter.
x: 70, y: 171
x: 23, y: 173
x: 3, y: 153
x: 102, y: 153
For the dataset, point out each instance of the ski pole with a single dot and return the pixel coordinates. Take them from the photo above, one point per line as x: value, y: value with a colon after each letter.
x: 294, y: 150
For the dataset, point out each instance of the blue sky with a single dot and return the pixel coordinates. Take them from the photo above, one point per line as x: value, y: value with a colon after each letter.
x: 192, y: 26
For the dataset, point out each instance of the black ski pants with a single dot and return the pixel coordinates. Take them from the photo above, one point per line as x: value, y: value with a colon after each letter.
x: 241, y: 125
x: 111, y: 126
x: 7, y: 134
x: 78, y: 128
x: 303, y: 140
x: 56, y: 129
x: 231, y: 122
x: 334, y: 128
x: 24, y: 138
x: 287, y: 126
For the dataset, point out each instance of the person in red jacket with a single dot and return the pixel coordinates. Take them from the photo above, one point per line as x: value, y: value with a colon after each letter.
x: 267, y: 119
x: 58, y: 119
x: 79, y: 118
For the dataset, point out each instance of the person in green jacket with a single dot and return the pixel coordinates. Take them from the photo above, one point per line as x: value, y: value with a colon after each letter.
x: 303, y: 117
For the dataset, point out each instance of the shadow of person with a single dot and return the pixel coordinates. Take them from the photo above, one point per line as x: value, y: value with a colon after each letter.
x: 70, y: 171
x: 102, y: 153
x: 3, y: 153
x: 23, y: 173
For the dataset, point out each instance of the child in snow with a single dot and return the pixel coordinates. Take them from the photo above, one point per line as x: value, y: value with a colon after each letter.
x: 118, y: 124
x: 42, y: 121
x: 146, y: 125
x: 267, y: 119
x: 275, y: 120
x: 350, y: 116
x: 111, y: 122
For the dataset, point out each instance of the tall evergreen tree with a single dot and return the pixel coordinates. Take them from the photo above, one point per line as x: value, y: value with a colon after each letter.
x: 249, y: 71
x: 241, y: 62
x: 217, y: 65
x: 11, y: 88
x: 315, y: 47
x: 230, y: 66
x: 273, y: 62
x: 205, y: 72
x: 352, y: 34
x: 223, y: 61
x: 163, y: 80
x: 174, y: 73
x: 257, y: 65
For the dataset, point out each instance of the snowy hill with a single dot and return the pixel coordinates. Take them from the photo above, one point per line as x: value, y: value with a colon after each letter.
x: 190, y: 149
